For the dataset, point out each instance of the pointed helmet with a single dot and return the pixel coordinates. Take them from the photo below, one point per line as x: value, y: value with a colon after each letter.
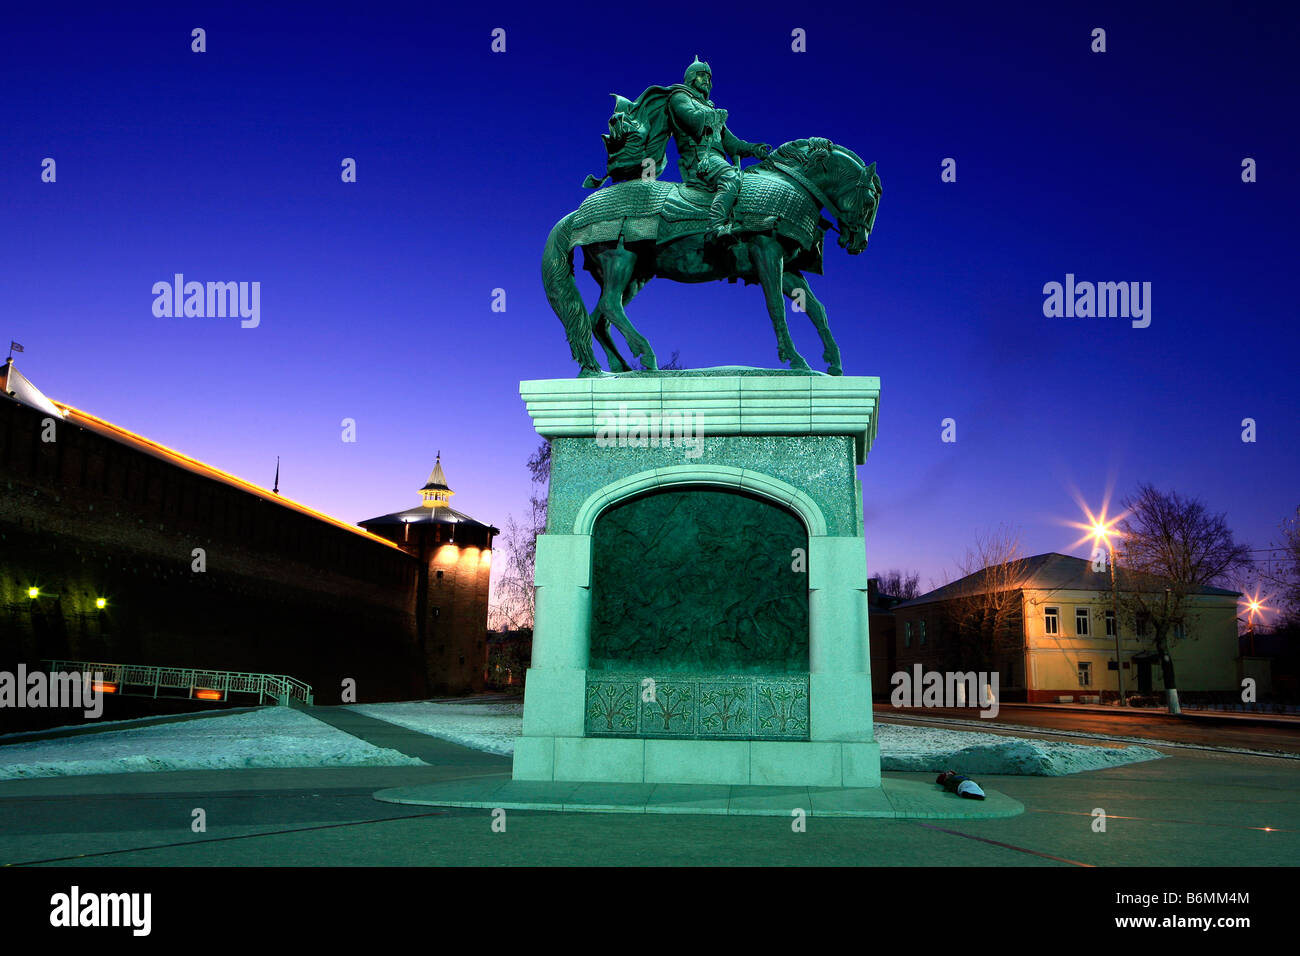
x: 699, y: 66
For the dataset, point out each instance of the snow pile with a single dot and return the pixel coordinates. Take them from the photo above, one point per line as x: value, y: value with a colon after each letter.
x: 488, y: 727
x: 934, y: 749
x: 271, y: 737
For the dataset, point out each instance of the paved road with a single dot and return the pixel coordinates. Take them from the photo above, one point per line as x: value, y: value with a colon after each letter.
x: 1202, y: 731
x: 1195, y: 808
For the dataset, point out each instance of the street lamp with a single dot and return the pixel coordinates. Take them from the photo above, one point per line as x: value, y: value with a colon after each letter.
x: 1101, y: 530
x: 1253, y: 606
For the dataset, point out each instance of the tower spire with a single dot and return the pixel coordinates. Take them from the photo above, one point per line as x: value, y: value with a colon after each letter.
x: 436, y: 493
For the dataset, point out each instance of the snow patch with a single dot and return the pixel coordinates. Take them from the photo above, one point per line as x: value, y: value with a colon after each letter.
x: 933, y: 749
x: 270, y: 737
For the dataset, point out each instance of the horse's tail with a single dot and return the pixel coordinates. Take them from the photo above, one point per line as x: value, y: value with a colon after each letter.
x: 562, y: 293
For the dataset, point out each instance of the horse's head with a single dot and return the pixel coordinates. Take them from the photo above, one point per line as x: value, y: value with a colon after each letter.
x: 855, y: 191
x: 849, y: 187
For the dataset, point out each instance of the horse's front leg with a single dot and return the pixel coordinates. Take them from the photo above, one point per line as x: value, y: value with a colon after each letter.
x: 796, y: 287
x: 769, y: 262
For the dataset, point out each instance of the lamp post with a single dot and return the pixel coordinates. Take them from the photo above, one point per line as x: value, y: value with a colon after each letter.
x: 1250, y: 624
x: 1100, y: 530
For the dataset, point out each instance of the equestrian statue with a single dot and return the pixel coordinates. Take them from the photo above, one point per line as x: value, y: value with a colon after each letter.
x: 762, y: 223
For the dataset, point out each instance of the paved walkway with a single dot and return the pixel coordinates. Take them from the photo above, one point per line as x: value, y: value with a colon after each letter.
x: 381, y: 733
x: 1195, y: 808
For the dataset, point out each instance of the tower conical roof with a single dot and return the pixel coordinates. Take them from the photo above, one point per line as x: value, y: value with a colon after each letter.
x: 437, y: 480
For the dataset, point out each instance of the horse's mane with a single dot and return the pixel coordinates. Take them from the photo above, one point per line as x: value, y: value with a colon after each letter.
x: 814, y: 151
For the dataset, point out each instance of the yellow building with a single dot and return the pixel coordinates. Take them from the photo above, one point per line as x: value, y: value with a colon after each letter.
x: 1059, y: 641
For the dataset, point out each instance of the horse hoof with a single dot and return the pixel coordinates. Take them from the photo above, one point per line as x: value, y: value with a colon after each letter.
x: 799, y: 365
x: 835, y: 370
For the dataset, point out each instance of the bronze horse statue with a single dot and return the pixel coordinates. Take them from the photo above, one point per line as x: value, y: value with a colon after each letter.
x: 633, y: 231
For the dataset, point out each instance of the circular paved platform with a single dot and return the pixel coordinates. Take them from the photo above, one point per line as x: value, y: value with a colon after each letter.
x: 894, y: 799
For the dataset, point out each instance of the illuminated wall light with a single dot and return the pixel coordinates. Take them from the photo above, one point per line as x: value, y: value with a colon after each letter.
x: 33, y: 593
x: 101, y: 603
x: 104, y: 687
x: 207, y: 694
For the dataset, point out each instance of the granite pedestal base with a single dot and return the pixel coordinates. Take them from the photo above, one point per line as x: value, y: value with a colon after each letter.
x: 789, y: 441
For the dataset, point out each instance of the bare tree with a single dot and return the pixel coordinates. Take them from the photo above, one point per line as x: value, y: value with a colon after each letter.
x: 1170, y: 549
x: 515, y: 589
x: 900, y: 584
x: 987, y: 607
x: 674, y: 363
x: 1283, y: 571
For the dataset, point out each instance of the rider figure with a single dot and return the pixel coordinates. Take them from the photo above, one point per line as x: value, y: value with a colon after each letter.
x: 703, y: 143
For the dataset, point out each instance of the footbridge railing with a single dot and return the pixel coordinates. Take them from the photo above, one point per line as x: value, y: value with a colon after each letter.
x: 145, y: 680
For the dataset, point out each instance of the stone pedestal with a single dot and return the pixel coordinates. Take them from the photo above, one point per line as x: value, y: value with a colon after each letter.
x: 749, y: 698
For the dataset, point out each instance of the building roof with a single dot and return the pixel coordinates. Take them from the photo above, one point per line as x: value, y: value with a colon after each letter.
x: 17, y: 387
x: 15, y: 384
x: 1054, y: 572
x: 433, y: 509
x: 422, y: 515
x: 437, y: 480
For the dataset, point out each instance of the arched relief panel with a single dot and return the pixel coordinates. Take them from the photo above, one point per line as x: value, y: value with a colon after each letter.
x: 700, y: 579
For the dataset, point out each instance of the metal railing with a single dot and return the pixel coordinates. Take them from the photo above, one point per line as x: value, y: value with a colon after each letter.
x: 136, y: 680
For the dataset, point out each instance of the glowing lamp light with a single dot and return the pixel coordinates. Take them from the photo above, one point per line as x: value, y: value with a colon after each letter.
x: 101, y: 603
x: 104, y: 687
x: 207, y: 694
x: 33, y: 593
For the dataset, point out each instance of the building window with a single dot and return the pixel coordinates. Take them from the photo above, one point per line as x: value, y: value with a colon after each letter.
x: 1179, y: 631
x: 1142, y: 620
x: 1085, y: 673
x: 1081, y: 621
x: 923, y: 632
x: 1052, y: 620
x: 907, y: 634
x: 1110, y: 624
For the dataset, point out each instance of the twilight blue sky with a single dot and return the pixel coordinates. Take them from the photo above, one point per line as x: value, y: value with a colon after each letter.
x: 376, y: 295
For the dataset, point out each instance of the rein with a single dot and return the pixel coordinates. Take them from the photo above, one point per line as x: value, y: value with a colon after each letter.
x: 808, y: 185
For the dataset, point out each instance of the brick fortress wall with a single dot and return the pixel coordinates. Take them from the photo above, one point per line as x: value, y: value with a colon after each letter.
x: 86, y: 516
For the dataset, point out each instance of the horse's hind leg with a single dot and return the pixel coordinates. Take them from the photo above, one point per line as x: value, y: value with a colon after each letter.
x: 600, y: 328
x: 616, y: 266
x: 796, y: 287
x: 769, y: 261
